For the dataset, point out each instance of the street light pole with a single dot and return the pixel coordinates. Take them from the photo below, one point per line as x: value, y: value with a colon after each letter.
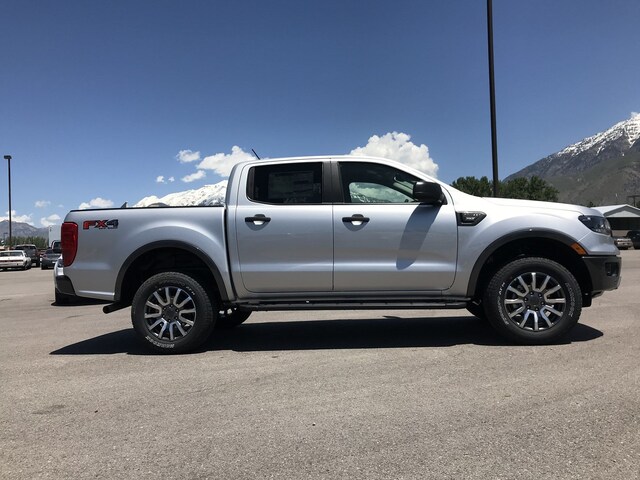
x: 492, y: 99
x: 8, y: 159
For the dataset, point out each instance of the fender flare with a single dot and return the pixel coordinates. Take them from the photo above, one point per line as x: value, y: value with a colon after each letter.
x: 215, y: 271
x: 511, y: 237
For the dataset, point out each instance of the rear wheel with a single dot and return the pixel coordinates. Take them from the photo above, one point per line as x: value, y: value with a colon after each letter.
x: 533, y: 300
x: 172, y: 313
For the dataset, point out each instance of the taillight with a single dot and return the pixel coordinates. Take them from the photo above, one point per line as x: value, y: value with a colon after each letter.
x: 69, y: 242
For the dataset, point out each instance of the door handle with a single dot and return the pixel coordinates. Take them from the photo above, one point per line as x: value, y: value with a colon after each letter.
x: 356, y: 219
x: 258, y: 219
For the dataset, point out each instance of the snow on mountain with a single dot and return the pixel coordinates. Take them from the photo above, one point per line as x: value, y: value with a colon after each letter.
x: 589, y: 153
x: 628, y: 130
x: 602, y: 169
x: 205, y: 196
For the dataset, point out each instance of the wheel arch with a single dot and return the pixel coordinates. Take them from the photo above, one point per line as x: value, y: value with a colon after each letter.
x: 540, y: 243
x: 164, y: 256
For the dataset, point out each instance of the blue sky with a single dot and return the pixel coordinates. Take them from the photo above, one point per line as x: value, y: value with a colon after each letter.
x: 98, y: 98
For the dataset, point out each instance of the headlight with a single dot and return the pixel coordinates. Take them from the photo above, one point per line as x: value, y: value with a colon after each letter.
x: 596, y: 224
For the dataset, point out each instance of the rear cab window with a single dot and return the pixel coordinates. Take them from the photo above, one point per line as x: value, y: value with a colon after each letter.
x: 293, y: 183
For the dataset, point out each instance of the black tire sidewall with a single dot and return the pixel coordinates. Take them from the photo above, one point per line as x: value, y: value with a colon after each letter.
x: 198, y: 333
x: 495, y: 295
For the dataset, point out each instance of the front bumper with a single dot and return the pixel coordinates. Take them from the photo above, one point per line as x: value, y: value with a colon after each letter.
x: 604, y: 272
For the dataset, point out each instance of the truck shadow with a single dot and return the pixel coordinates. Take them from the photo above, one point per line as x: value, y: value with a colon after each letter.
x: 387, y: 332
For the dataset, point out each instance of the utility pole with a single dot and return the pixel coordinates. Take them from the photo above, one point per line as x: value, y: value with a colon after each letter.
x: 8, y: 159
x: 492, y: 99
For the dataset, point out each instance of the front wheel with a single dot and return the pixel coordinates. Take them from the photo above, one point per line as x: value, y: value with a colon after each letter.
x: 172, y: 313
x: 533, y: 300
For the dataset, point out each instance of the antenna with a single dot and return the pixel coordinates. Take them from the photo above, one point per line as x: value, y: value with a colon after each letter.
x: 254, y: 152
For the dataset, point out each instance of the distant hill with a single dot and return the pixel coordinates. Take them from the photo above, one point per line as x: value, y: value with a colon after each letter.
x: 603, y: 169
x: 19, y: 229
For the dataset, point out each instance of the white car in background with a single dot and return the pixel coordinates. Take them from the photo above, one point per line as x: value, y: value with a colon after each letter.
x: 14, y: 259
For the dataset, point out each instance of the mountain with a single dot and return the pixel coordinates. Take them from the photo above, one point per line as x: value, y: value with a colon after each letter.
x: 207, y: 195
x: 603, y: 169
x: 19, y: 229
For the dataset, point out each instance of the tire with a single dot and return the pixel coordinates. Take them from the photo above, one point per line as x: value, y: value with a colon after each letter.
x: 533, y: 301
x: 231, y: 317
x: 172, y: 313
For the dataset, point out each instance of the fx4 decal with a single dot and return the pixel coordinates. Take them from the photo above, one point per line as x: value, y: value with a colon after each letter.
x: 100, y: 224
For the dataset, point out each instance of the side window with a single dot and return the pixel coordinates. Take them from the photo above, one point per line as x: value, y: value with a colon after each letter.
x: 293, y: 183
x: 375, y: 183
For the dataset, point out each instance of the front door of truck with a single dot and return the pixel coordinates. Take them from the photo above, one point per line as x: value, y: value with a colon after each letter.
x: 384, y: 239
x: 284, y: 229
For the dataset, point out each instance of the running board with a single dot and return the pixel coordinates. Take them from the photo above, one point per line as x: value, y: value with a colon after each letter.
x: 354, y: 305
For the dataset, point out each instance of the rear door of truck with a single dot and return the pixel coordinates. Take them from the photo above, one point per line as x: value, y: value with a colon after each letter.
x: 284, y: 230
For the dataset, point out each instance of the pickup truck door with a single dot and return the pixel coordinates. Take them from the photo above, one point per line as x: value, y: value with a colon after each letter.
x: 384, y: 240
x: 284, y: 230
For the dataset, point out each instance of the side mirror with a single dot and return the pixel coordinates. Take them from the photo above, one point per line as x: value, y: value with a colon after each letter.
x: 429, y: 193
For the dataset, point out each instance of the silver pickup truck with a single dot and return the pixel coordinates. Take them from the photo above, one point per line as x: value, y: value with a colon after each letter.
x: 339, y: 233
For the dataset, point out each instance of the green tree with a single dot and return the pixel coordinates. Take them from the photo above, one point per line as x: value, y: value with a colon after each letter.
x: 473, y: 186
x: 516, y: 188
x: 533, y: 188
x: 39, y: 242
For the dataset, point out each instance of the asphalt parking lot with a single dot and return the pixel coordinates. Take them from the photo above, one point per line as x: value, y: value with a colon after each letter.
x: 402, y: 394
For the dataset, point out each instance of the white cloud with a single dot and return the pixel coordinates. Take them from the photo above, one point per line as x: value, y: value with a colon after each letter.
x: 160, y: 179
x: 17, y: 218
x: 393, y: 145
x: 187, y: 156
x: 42, y: 203
x: 96, y: 203
x: 171, y: 179
x: 194, y: 176
x: 50, y: 220
x: 635, y: 114
x: 222, y: 163
x: 397, y: 146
